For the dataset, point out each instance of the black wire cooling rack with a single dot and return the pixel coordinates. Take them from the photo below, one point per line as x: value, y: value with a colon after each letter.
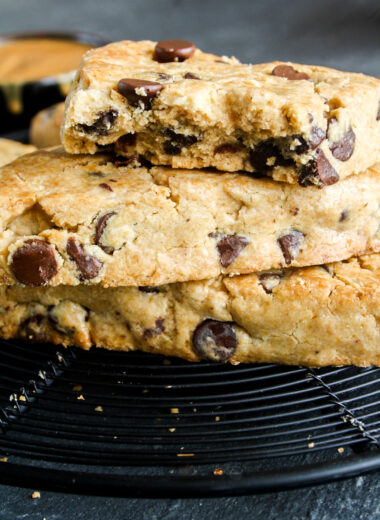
x: 136, y: 424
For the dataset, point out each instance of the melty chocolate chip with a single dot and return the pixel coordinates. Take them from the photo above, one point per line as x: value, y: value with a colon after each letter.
x: 88, y: 266
x: 215, y: 340
x: 102, y: 125
x: 269, y: 281
x: 31, y: 329
x: 266, y: 155
x: 155, y: 331
x: 286, y: 71
x: 344, y: 147
x: 34, y: 263
x: 318, y: 172
x: 99, y: 230
x: 191, y: 75
x: 173, y: 50
x: 148, y: 289
x: 176, y: 142
x: 290, y: 245
x: 229, y: 247
x: 139, y: 91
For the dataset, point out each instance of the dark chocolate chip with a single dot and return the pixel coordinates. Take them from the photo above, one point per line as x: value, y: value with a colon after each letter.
x: 88, y: 266
x: 318, y: 172
x: 229, y: 247
x: 290, y: 245
x: 131, y: 160
x: 163, y: 76
x: 100, y: 225
x: 34, y: 263
x: 215, y: 340
x: 317, y: 136
x: 155, y: 331
x: 149, y: 90
x: 344, y: 148
x: 227, y: 148
x: 344, y: 215
x: 173, y: 50
x: 176, y: 142
x: 286, y: 71
x: 221, y: 61
x: 269, y: 281
x: 265, y: 150
x: 191, y: 75
x: 105, y: 186
x: 102, y: 124
x: 148, y: 289
x: 30, y: 329
x: 127, y: 140
x: 97, y: 174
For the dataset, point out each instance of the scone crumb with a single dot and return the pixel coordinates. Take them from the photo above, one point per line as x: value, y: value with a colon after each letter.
x: 77, y: 388
x: 174, y: 410
x: 99, y: 409
x: 185, y: 454
x: 311, y: 445
x: 217, y: 418
x: 22, y: 398
x: 36, y: 494
x: 172, y: 430
x: 4, y: 459
x: 218, y: 471
x: 80, y: 397
x: 340, y: 450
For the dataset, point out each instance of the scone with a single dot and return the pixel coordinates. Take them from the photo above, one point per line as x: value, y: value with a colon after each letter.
x: 45, y: 126
x: 176, y: 105
x: 95, y: 220
x: 10, y: 150
x: 312, y: 316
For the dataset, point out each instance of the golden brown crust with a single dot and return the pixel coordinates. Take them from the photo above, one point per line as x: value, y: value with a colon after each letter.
x: 11, y: 150
x: 313, y: 316
x: 114, y: 225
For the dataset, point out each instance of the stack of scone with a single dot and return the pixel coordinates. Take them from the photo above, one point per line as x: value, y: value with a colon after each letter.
x: 111, y: 244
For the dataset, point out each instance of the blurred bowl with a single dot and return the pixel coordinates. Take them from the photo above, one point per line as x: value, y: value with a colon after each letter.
x: 21, y: 99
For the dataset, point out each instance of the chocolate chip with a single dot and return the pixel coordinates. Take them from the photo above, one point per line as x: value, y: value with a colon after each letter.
x: 318, y: 172
x: 290, y: 245
x: 155, y: 331
x: 105, y: 186
x: 102, y: 124
x: 34, y: 263
x: 191, y: 75
x: 215, y: 340
x: 30, y: 329
x: 286, y: 71
x: 269, y: 281
x: 227, y: 148
x: 100, y: 225
x: 131, y: 160
x: 266, y: 155
x: 127, y: 140
x: 229, y: 247
x: 88, y: 266
x: 97, y: 174
x: 344, y: 215
x: 317, y: 136
x: 148, y: 289
x: 148, y: 91
x: 176, y: 142
x: 163, y: 76
x: 173, y: 50
x: 344, y: 148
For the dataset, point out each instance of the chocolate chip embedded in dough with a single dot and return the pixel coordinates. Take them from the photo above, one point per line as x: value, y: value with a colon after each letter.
x: 290, y: 245
x: 163, y: 76
x: 173, y: 50
x: 99, y: 230
x: 227, y: 148
x: 317, y: 136
x: 286, y: 71
x: 344, y: 215
x: 215, y: 340
x: 31, y: 330
x: 88, y: 266
x: 155, y: 331
x: 191, y: 75
x: 148, y: 289
x: 175, y: 142
x: 229, y: 247
x: 344, y: 148
x: 138, y: 91
x: 266, y: 155
x: 105, y: 186
x: 34, y: 263
x: 269, y: 281
x: 318, y: 172
x: 102, y: 125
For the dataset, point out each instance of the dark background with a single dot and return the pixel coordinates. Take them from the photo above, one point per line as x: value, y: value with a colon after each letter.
x: 340, y: 33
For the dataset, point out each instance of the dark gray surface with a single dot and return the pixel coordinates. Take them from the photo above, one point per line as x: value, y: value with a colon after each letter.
x: 340, y: 33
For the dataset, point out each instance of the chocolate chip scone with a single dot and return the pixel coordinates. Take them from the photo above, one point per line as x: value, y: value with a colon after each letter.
x: 10, y: 150
x: 312, y: 316
x: 90, y: 219
x: 45, y: 126
x: 176, y: 105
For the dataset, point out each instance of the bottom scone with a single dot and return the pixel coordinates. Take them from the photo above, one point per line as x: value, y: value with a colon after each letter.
x: 315, y: 316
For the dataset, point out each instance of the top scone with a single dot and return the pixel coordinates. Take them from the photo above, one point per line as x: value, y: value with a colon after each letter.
x: 175, y: 105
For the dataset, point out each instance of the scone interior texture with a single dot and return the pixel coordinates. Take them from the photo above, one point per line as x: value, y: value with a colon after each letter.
x: 315, y: 316
x: 297, y: 123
